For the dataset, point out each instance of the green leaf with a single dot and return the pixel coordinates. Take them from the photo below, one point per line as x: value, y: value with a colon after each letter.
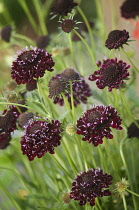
x: 37, y: 107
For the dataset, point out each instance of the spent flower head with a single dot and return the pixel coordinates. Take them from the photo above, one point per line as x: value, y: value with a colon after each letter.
x: 96, y: 123
x: 116, y: 39
x: 122, y: 186
x: 111, y: 74
x: 89, y: 185
x: 30, y: 65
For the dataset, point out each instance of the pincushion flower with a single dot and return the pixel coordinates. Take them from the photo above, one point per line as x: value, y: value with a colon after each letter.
x: 63, y: 7
x: 97, y: 122
x: 111, y: 74
x: 8, y: 119
x: 67, y: 25
x: 31, y: 64
x: 40, y: 137
x: 130, y: 9
x: 81, y: 90
x: 116, y: 39
x: 89, y: 185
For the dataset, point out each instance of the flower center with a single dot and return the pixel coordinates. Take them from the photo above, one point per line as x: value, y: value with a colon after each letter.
x: 26, y: 55
x: 93, y: 115
x: 34, y: 128
x: 56, y: 86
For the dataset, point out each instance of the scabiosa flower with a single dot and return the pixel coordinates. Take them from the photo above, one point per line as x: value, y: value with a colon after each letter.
x: 67, y: 25
x: 69, y: 74
x: 40, y: 137
x: 4, y: 140
x: 81, y: 90
x: 116, y: 39
x: 63, y: 7
x: 31, y: 86
x: 8, y: 120
x: 89, y: 185
x: 42, y: 41
x: 96, y: 122
x: 24, y: 118
x: 31, y: 64
x: 133, y: 130
x: 111, y: 74
x: 130, y: 9
x: 6, y: 33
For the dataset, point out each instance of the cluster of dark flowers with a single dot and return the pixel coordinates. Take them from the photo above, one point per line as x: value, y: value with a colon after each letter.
x: 43, y: 135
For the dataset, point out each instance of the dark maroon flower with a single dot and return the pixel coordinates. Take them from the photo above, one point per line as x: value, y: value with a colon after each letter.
x: 89, y: 185
x: 116, y: 39
x: 42, y: 41
x: 6, y: 33
x: 67, y: 25
x: 31, y: 64
x: 111, y: 74
x: 62, y: 7
x: 96, y: 122
x: 24, y: 118
x: 130, y: 9
x: 40, y: 137
x: 133, y: 130
x: 8, y: 120
x: 31, y: 86
x: 4, y: 139
x: 81, y: 90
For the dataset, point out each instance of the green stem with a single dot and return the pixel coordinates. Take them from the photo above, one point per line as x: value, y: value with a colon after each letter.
x: 88, y: 27
x: 38, y: 7
x: 88, y: 48
x: 124, y: 202
x: 15, y: 204
x: 72, y: 102
x: 28, y: 13
x: 15, y: 104
x: 25, y: 38
x: 132, y: 192
x: 130, y: 60
x: 72, y: 51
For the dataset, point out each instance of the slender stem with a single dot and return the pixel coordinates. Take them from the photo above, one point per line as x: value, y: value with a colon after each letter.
x: 113, y: 15
x: 15, y: 104
x: 88, y: 27
x: 72, y: 50
x: 25, y: 38
x: 130, y: 60
x: 28, y: 13
x: 72, y: 102
x: 132, y: 192
x: 88, y: 48
x: 38, y: 7
x: 124, y: 201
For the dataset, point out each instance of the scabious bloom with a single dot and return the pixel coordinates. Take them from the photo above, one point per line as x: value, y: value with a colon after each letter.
x: 116, y: 39
x: 111, y: 74
x: 8, y: 120
x: 67, y: 25
x: 63, y: 7
x: 31, y: 64
x: 89, y: 185
x: 96, y: 122
x: 133, y: 130
x: 24, y: 118
x: 81, y: 89
x: 40, y: 137
x: 4, y: 139
x: 42, y: 41
x: 6, y: 33
x: 130, y: 9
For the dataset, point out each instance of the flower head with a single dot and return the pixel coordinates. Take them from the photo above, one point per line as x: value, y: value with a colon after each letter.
x: 81, y: 90
x: 4, y: 139
x: 63, y: 7
x: 31, y: 64
x: 111, y: 74
x: 42, y: 41
x: 116, y: 39
x: 96, y: 122
x: 130, y: 9
x: 8, y: 120
x: 67, y: 25
x: 40, y: 137
x: 133, y: 130
x: 24, y: 118
x: 122, y: 186
x: 6, y: 33
x: 89, y: 185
